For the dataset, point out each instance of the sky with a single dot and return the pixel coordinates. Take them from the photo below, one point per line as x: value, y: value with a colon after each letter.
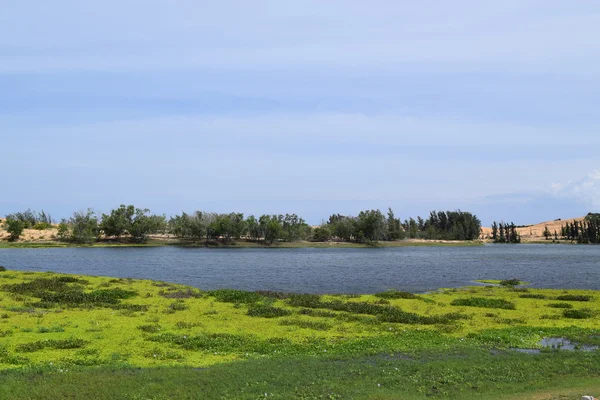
x: 308, y: 107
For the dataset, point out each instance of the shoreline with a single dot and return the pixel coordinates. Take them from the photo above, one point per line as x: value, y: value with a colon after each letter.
x: 242, y: 244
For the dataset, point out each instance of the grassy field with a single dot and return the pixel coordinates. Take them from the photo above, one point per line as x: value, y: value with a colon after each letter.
x: 68, y: 336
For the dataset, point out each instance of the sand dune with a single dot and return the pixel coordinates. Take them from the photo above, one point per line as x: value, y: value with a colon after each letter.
x: 535, y: 232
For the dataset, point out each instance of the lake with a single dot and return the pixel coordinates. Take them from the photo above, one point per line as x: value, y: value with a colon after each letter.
x: 415, y: 269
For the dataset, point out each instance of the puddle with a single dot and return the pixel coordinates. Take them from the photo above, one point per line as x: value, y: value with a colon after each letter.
x: 558, y: 343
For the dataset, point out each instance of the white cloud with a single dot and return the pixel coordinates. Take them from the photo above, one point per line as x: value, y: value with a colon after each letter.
x: 585, y: 190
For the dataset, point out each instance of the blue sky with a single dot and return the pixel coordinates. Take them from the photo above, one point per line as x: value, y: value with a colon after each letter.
x: 312, y: 107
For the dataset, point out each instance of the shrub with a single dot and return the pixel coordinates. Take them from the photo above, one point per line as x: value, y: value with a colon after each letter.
x: 63, y: 230
x: 574, y: 297
x: 560, y: 305
x: 235, y: 296
x: 510, y: 282
x: 50, y: 344
x: 268, y: 312
x: 2, y: 269
x: 15, y: 228
x: 178, y: 306
x: 484, y: 303
x: 584, y: 313
x: 532, y: 296
x: 180, y: 294
x: 149, y: 328
x: 305, y: 300
x: 40, y: 226
x: 395, y: 294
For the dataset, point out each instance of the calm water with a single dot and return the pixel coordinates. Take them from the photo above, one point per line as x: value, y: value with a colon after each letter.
x: 415, y: 269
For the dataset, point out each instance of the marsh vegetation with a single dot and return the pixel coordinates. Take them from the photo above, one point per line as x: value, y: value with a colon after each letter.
x: 452, y: 342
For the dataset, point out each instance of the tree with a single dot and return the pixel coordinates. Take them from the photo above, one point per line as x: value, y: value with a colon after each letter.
x: 370, y: 226
x: 84, y: 227
x: 118, y: 222
x: 546, y: 232
x: 322, y: 233
x: 495, y: 231
x: 253, y: 228
x: 271, y: 227
x: 143, y: 224
x: 63, y: 230
x: 15, y: 228
x: 135, y: 222
x: 394, y: 227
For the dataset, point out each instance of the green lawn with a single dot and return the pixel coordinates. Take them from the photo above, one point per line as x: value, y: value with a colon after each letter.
x: 68, y: 336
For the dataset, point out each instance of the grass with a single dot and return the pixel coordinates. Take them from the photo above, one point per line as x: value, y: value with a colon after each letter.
x: 69, y: 336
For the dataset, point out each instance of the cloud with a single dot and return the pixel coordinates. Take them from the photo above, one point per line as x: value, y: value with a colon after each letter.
x: 585, y: 190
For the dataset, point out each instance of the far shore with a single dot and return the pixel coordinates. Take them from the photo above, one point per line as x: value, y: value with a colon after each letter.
x: 158, y: 241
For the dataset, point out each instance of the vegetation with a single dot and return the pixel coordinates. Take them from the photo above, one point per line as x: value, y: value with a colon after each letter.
x: 505, y: 233
x: 586, y: 231
x: 68, y: 336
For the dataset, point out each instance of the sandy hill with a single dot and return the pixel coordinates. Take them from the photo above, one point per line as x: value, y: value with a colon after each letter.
x: 532, y: 233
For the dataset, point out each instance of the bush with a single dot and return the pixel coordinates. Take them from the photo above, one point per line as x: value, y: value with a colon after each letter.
x: 484, y: 303
x: 560, y: 305
x: 2, y: 269
x: 50, y: 344
x: 510, y: 282
x: 268, y: 312
x: 305, y: 300
x: 578, y: 314
x: 395, y: 294
x: 235, y: 296
x: 15, y: 228
x: 63, y: 230
x: 40, y: 226
x: 574, y: 297
x: 532, y: 296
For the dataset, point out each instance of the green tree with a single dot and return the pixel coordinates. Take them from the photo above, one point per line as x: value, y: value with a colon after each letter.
x: 63, y: 230
x: 394, y: 227
x: 370, y: 226
x: 15, y: 228
x: 84, y: 227
x: 546, y: 232
x: 322, y: 233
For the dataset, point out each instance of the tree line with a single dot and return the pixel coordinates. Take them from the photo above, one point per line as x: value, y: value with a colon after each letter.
x: 134, y: 224
x: 585, y: 232
x: 505, y: 233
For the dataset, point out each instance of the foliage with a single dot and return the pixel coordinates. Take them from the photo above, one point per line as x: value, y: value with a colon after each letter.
x: 63, y: 232
x: 267, y: 311
x: 84, y: 227
x: 484, y: 302
x: 357, y: 334
x: 505, y: 233
x: 583, y: 313
x: 15, y: 228
x: 322, y: 233
x: 574, y: 297
x: 396, y: 294
x: 132, y: 221
x: 510, y: 282
x: 31, y: 219
x: 234, y: 296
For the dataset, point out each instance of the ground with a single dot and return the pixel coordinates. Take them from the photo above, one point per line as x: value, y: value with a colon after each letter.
x: 68, y: 334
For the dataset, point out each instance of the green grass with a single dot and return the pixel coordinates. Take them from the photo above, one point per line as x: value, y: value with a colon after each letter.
x: 69, y: 336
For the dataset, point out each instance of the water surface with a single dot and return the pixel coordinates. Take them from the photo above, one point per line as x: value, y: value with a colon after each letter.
x: 416, y: 269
